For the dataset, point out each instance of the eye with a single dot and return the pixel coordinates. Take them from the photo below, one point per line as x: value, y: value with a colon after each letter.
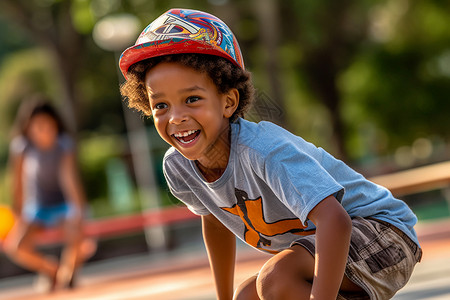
x: 192, y: 99
x: 160, y: 106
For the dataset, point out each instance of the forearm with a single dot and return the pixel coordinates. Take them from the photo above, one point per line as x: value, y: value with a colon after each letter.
x: 17, y: 185
x: 332, y: 245
x: 220, y: 244
x: 72, y: 184
x: 17, y: 200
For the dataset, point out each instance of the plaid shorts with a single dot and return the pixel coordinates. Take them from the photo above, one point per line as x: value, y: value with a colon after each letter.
x: 381, y: 258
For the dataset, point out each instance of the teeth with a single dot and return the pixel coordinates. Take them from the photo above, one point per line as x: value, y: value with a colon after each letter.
x: 184, y: 134
x: 187, y: 142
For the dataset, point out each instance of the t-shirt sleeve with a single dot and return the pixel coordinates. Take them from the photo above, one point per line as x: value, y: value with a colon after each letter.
x: 176, y: 180
x: 298, y: 178
x: 18, y: 146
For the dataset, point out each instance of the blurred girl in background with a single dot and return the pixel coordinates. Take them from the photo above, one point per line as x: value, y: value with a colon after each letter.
x: 47, y: 192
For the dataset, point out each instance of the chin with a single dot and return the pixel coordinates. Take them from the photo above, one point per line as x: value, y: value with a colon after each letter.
x: 190, y: 156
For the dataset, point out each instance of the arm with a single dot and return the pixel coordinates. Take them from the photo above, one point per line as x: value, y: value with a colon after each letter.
x: 71, y: 182
x: 333, y: 231
x: 17, y: 183
x: 72, y: 256
x: 221, y: 247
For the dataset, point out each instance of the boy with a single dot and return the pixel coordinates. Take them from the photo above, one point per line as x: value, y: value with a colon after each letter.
x: 333, y: 233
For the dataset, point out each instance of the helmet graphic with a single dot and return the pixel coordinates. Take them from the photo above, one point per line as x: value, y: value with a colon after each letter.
x: 183, y: 31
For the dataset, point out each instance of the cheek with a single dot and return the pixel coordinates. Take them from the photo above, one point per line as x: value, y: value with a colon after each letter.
x: 212, y: 116
x: 160, y: 127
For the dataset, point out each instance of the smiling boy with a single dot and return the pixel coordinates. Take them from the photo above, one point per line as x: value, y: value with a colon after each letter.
x: 190, y: 115
x: 333, y: 234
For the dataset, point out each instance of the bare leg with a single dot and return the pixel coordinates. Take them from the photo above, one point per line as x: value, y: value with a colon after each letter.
x: 71, y: 256
x: 88, y: 247
x: 20, y: 247
x: 247, y: 290
x: 287, y: 275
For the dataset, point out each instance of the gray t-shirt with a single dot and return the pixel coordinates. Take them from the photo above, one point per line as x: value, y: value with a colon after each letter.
x: 272, y: 181
x: 42, y: 170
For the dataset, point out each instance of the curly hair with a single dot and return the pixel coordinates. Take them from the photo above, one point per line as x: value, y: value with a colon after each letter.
x: 223, y: 73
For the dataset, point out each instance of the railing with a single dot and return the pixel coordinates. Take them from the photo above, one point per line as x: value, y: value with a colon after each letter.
x: 124, y: 224
x: 416, y: 180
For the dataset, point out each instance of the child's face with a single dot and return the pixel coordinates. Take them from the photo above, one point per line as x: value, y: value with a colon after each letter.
x: 188, y: 111
x: 43, y: 131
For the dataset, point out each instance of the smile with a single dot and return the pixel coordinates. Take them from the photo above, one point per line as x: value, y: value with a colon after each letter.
x: 186, y: 137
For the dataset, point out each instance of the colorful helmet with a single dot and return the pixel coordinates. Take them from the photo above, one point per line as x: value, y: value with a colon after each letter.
x: 183, y: 31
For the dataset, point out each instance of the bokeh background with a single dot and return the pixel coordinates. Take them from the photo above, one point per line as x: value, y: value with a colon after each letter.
x: 367, y: 80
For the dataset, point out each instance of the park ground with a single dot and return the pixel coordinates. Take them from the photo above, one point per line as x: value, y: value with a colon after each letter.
x: 183, y: 274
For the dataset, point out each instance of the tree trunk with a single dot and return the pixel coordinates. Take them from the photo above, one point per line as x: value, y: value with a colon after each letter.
x: 322, y: 76
x: 267, y: 14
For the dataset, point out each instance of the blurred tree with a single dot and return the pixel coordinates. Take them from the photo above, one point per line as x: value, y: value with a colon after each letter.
x: 50, y: 24
x: 385, y: 63
x: 401, y: 82
x: 327, y: 36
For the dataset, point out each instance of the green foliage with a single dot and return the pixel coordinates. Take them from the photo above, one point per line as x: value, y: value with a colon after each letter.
x: 12, y: 38
x: 94, y: 153
x: 401, y: 83
x: 5, y: 188
x: 82, y: 16
x: 24, y: 72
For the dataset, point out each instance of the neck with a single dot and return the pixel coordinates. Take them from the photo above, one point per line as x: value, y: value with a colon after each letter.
x: 213, y: 164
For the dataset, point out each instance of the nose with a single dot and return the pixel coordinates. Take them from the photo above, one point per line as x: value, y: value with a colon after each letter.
x: 177, y: 115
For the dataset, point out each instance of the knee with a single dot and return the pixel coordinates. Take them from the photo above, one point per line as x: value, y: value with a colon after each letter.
x: 11, y: 246
x: 272, y: 281
x: 15, y: 245
x: 287, y: 275
x: 247, y: 290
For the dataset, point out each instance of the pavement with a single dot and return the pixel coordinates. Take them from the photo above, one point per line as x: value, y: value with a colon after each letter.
x: 183, y: 273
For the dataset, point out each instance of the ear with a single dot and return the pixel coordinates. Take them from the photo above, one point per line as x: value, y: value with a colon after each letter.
x: 231, y: 102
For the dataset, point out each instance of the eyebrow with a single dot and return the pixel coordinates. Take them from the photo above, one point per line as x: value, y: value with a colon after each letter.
x: 156, y: 96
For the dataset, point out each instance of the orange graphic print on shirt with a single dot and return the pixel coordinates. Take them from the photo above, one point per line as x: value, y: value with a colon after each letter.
x: 252, y: 214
